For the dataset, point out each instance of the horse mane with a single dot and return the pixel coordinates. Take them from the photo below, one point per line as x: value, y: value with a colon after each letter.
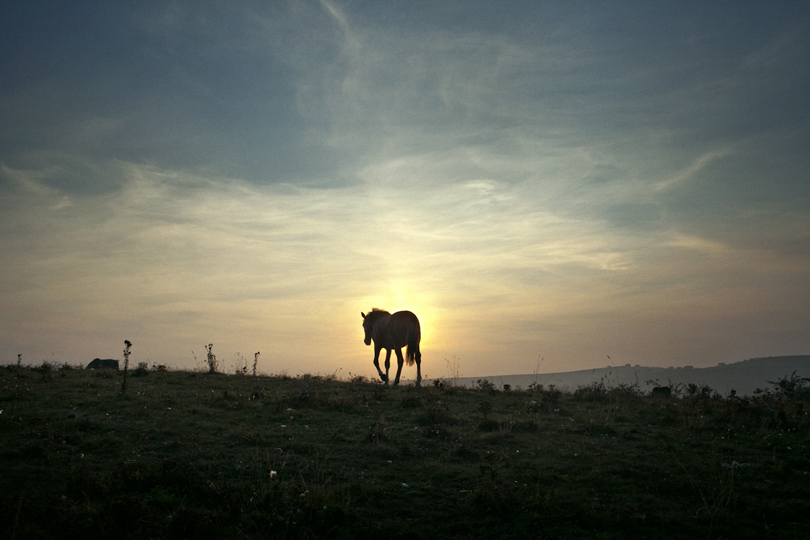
x: 375, y: 314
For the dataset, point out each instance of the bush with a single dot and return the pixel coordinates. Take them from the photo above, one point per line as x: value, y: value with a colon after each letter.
x: 142, y: 370
x: 702, y: 391
x: 792, y: 387
x: 485, y: 386
x: 593, y: 392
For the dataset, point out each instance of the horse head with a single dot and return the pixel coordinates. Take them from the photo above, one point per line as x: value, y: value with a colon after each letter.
x: 367, y: 326
x: 370, y: 320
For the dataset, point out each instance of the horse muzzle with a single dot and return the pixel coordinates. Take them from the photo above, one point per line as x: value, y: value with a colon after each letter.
x: 367, y: 341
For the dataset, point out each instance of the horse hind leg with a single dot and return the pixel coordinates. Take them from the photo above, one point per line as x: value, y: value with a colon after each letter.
x: 415, y: 355
x: 418, y: 358
x: 400, y: 361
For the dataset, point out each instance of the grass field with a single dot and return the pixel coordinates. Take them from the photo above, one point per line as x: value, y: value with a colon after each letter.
x: 198, y: 455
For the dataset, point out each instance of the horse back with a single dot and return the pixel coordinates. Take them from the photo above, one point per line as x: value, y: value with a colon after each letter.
x: 403, y: 329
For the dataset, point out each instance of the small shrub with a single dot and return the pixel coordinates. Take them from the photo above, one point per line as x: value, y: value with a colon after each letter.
x: 792, y: 387
x: 240, y: 365
x: 142, y: 370
x: 593, y: 392
x: 65, y: 368
x: 46, y: 370
x: 702, y: 391
x: 548, y: 398
x: 625, y: 392
x: 485, y: 386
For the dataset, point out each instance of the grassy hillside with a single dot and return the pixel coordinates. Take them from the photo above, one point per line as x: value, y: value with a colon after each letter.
x: 194, y: 455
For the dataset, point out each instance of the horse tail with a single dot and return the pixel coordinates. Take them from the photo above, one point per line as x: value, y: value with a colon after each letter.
x: 413, y: 346
x: 410, y: 356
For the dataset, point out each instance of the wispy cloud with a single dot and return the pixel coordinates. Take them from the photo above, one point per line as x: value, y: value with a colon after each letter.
x: 695, y: 167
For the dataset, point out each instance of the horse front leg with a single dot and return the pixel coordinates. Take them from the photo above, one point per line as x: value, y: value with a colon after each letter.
x: 383, y: 378
x: 400, y: 361
x: 387, y: 364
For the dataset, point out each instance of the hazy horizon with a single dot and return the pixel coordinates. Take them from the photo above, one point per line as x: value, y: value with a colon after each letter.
x: 545, y: 184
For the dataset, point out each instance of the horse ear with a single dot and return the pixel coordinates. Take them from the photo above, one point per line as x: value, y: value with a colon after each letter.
x: 363, y: 314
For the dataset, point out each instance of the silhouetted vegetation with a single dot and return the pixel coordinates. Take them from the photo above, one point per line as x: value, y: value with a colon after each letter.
x: 197, y: 455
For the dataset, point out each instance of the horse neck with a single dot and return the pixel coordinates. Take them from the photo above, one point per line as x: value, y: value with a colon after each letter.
x: 379, y: 325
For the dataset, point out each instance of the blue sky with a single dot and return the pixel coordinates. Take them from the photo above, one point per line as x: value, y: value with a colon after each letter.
x: 544, y: 183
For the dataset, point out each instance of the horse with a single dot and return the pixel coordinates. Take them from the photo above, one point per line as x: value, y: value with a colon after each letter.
x: 394, y: 332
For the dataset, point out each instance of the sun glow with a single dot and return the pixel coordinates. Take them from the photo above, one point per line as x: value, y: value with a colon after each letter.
x: 402, y: 297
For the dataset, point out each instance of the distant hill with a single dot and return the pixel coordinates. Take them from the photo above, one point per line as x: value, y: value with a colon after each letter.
x: 744, y: 377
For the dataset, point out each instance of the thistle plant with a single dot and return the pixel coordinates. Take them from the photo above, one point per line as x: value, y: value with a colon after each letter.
x: 126, y: 365
x: 255, y: 363
x: 212, y: 359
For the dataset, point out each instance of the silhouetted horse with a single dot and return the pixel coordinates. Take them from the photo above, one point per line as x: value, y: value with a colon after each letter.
x: 394, y: 332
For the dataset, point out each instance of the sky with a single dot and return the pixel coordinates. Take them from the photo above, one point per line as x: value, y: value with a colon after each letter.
x: 549, y: 186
